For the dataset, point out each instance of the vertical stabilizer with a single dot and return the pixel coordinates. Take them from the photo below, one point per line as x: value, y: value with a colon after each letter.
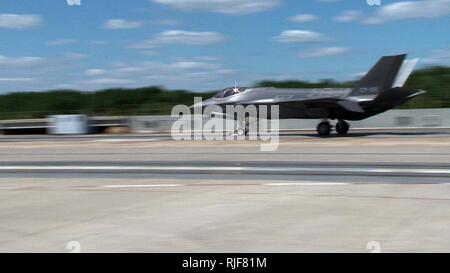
x: 381, y: 77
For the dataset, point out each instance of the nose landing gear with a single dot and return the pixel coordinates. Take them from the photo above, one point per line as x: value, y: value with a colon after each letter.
x: 244, y: 128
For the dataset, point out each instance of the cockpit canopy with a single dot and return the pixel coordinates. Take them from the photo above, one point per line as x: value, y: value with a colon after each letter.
x: 231, y: 91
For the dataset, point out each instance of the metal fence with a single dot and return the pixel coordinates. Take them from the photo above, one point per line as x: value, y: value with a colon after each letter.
x: 394, y: 119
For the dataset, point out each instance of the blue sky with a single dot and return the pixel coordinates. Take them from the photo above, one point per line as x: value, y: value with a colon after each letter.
x: 209, y: 44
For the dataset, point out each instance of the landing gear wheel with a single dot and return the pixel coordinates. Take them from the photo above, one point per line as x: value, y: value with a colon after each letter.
x: 247, y: 126
x: 324, y: 128
x: 342, y: 127
x: 240, y: 132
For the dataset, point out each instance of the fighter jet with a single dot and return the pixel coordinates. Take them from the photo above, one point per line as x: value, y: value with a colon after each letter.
x: 379, y: 90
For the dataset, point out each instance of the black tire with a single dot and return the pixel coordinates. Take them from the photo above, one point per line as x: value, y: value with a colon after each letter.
x: 324, y: 129
x: 342, y: 127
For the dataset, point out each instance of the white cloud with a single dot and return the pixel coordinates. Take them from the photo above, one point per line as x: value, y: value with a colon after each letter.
x: 155, y: 69
x: 198, y: 73
x: 235, y: 7
x: 208, y: 74
x: 300, y: 36
x: 64, y: 86
x: 180, y: 37
x: 158, y: 68
x: 194, y: 65
x: 19, y: 21
x: 94, y: 72
x: 349, y: 16
x: 117, y: 24
x: 303, y: 18
x: 70, y: 71
x: 439, y: 56
x: 21, y: 73
x: 62, y: 42
x: 20, y: 61
x: 358, y: 75
x: 15, y: 80
x: 423, y: 9
x: 328, y: 1
x: 324, y: 52
x: 410, y: 10
x: 133, y: 70
x: 71, y: 56
x: 188, y: 37
x: 109, y: 81
x: 39, y: 65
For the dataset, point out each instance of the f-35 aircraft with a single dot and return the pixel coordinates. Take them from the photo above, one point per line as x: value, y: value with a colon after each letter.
x: 378, y: 91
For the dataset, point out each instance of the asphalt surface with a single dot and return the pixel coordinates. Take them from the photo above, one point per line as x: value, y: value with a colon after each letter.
x: 152, y: 194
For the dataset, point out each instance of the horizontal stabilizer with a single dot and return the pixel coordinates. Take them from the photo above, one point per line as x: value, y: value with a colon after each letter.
x: 416, y: 94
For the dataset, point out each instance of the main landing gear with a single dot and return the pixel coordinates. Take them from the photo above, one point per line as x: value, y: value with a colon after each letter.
x: 324, y: 128
x: 342, y: 127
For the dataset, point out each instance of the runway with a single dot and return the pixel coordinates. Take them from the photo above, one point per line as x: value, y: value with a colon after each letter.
x: 285, y: 134
x: 226, y: 169
x: 126, y: 193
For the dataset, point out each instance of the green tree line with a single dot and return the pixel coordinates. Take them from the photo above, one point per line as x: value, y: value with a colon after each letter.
x: 159, y: 101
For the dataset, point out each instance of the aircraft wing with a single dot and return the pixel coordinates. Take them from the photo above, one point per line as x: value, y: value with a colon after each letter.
x: 328, y: 104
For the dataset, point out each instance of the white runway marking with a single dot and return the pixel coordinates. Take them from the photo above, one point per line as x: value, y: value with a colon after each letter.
x: 417, y: 171
x: 127, y: 140
x: 262, y: 170
x: 308, y: 184
x: 262, y: 184
x: 141, y: 186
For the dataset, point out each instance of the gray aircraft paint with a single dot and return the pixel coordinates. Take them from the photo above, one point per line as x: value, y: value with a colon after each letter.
x: 378, y: 91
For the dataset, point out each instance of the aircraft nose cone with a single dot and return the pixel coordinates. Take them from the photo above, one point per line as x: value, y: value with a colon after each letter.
x: 197, y: 105
x: 202, y: 104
